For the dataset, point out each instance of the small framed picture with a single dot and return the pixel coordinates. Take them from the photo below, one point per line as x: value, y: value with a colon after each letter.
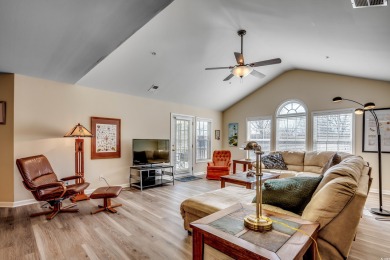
x: 2, y: 112
x: 217, y: 134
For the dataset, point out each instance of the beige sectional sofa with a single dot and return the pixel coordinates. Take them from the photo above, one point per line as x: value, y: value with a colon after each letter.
x: 337, y: 203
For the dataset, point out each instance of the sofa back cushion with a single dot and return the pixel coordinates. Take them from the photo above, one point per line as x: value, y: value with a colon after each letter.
x: 330, y: 200
x: 293, y: 160
x: 315, y: 161
x: 350, y: 167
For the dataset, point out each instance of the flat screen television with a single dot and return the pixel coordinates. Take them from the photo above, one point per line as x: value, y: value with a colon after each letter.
x: 150, y: 151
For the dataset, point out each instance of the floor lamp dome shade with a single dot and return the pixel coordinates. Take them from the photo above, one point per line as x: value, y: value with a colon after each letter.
x: 337, y: 99
x: 359, y: 111
x: 369, y: 107
x: 79, y: 131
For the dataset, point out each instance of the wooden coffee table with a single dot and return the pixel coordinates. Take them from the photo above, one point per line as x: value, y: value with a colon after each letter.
x: 248, y: 182
x: 225, y: 231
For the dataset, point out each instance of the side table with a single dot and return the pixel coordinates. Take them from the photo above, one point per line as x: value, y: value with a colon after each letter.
x: 225, y: 231
x: 244, y: 163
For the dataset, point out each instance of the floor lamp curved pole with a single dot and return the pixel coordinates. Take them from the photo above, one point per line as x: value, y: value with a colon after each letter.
x: 370, y: 107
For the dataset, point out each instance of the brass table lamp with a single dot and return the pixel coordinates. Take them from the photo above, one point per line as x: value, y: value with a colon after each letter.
x: 257, y: 222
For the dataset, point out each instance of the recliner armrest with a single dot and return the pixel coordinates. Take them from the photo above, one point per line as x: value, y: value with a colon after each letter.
x: 74, y: 177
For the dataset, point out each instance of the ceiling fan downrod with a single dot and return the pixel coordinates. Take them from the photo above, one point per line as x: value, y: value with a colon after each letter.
x: 241, y: 33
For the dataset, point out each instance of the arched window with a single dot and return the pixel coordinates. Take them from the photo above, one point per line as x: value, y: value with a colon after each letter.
x: 291, y: 126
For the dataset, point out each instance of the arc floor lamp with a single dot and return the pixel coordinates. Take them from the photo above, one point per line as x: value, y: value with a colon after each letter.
x: 370, y: 107
x: 79, y: 131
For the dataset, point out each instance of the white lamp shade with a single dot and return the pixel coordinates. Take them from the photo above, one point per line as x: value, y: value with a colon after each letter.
x: 241, y: 71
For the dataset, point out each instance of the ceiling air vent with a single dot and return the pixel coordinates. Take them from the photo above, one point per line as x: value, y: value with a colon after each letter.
x: 368, y: 3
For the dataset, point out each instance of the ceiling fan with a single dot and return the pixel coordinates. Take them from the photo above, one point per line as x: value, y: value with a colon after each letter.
x: 241, y: 69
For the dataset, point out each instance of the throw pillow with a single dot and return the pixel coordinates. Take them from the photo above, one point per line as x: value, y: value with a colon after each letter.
x: 334, y: 160
x: 274, y: 161
x: 292, y: 194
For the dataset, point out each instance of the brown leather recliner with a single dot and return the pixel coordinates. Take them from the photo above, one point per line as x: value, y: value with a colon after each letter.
x: 40, y: 179
x: 220, y: 165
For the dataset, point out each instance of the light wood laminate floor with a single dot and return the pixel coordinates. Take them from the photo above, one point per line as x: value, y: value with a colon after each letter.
x: 147, y: 226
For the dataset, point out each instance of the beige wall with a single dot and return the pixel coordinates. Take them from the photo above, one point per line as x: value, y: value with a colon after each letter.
x: 7, y: 140
x: 46, y: 110
x: 316, y: 90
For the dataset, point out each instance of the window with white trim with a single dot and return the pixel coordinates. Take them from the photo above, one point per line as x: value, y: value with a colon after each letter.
x: 333, y: 130
x: 203, y: 139
x: 259, y: 130
x: 291, y: 126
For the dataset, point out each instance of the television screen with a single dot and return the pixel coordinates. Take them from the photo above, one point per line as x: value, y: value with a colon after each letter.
x: 150, y: 151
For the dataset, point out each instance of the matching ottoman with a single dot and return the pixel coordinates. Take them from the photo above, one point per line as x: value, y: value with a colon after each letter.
x: 106, y: 193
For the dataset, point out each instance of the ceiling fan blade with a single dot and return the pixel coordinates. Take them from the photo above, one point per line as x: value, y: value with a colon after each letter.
x: 228, y: 77
x: 257, y: 74
x: 239, y: 58
x: 219, y: 68
x: 265, y: 62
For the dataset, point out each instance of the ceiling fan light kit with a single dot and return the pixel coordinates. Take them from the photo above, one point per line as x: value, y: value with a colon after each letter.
x: 241, y: 69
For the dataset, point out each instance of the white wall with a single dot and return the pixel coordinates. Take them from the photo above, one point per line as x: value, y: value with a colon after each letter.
x: 316, y: 90
x: 46, y: 110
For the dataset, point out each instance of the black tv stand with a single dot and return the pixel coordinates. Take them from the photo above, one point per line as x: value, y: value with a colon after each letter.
x: 151, y: 175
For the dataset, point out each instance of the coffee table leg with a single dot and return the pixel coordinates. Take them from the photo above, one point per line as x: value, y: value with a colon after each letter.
x: 234, y: 167
x: 197, y: 245
x: 244, y: 166
x: 222, y: 183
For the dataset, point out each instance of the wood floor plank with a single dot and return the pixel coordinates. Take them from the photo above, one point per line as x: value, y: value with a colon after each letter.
x: 147, y: 226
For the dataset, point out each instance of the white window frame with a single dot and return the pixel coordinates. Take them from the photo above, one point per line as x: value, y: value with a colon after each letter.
x: 210, y: 123
x: 258, y: 118
x: 333, y: 112
x: 277, y: 116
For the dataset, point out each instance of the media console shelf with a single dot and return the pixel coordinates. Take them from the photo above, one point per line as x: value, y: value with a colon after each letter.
x: 145, y: 176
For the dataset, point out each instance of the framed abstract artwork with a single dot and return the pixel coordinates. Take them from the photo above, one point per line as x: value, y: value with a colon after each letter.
x: 370, y: 138
x: 233, y: 134
x: 106, y: 140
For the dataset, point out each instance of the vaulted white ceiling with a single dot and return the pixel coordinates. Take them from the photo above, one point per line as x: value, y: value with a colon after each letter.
x: 188, y: 36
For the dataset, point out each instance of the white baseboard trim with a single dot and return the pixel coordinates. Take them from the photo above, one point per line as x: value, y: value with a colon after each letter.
x: 385, y: 192
x: 33, y: 201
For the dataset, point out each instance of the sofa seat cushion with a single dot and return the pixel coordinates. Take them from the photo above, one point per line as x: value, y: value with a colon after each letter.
x: 283, y: 173
x: 279, y: 210
x: 209, y: 202
x: 315, y: 161
x: 291, y: 194
x: 307, y: 174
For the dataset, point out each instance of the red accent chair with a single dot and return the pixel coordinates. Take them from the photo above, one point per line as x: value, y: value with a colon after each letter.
x: 220, y: 165
x: 40, y: 179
